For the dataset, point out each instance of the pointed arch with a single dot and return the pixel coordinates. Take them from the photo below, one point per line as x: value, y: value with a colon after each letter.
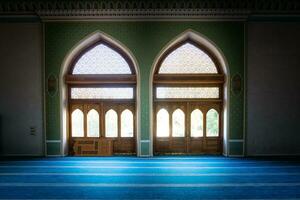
x: 196, y: 123
x: 93, y: 123
x: 87, y: 43
x: 188, y: 57
x: 111, y: 123
x: 200, y: 41
x: 178, y: 123
x: 127, y: 122
x: 95, y: 58
x: 77, y: 118
x: 210, y: 49
x: 93, y: 40
x: 162, y: 125
x: 212, y: 123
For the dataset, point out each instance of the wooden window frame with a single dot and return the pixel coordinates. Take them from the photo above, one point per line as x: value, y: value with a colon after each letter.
x: 97, y: 81
x: 189, y: 104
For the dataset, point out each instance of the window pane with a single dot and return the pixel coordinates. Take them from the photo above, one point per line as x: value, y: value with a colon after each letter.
x: 93, y: 123
x: 187, y: 92
x: 126, y: 123
x: 196, y: 123
x: 162, y: 123
x: 178, y: 123
x: 101, y: 60
x: 212, y: 123
x: 77, y: 123
x: 111, y: 124
x: 102, y: 93
x: 187, y: 59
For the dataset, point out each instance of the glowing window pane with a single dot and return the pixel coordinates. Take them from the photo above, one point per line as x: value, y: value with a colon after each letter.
x: 196, y: 123
x: 102, y: 93
x: 187, y: 59
x: 77, y: 123
x: 93, y: 123
x: 178, y: 123
x: 212, y: 123
x: 187, y: 92
x: 126, y: 123
x: 111, y: 124
x: 101, y: 59
x: 162, y: 123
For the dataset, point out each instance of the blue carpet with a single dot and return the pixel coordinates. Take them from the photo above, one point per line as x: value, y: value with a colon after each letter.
x: 206, y: 177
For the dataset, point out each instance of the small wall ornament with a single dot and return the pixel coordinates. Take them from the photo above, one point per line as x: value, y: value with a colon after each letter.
x: 236, y: 84
x: 52, y: 85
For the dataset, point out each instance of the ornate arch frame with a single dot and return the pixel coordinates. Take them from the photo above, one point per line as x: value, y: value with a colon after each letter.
x: 213, y: 50
x: 67, y: 63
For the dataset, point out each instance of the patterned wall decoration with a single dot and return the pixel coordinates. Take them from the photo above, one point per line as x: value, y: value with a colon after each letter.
x: 145, y: 39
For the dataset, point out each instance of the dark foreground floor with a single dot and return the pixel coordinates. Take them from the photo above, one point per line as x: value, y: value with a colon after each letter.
x: 150, y: 178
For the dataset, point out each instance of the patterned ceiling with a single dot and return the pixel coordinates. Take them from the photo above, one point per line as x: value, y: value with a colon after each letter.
x: 148, y: 7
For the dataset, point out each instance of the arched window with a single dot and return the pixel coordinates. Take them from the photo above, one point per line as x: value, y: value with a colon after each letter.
x: 126, y: 123
x: 97, y: 59
x: 189, y: 77
x: 102, y: 81
x: 111, y: 124
x: 188, y: 59
x: 162, y: 128
x: 93, y: 123
x: 212, y: 123
x: 178, y: 123
x: 196, y: 123
x: 77, y: 123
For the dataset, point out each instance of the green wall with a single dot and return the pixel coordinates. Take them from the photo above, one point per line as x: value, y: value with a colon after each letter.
x: 145, y: 40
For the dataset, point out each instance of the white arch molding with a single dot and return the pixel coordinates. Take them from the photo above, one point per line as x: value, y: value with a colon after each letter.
x: 79, y: 47
x: 206, y: 42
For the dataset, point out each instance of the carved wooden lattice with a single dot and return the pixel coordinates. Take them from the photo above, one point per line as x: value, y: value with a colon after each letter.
x: 93, y: 147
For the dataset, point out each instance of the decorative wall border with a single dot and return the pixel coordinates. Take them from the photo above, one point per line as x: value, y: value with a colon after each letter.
x: 254, y: 5
x: 141, y: 14
x: 147, y: 9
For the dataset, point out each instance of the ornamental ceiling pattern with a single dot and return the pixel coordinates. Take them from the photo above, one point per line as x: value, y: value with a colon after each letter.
x: 147, y: 7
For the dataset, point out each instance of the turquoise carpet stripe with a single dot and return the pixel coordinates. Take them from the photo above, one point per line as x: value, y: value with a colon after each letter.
x: 150, y: 170
x: 148, y: 174
x: 177, y: 185
x: 207, y: 177
x: 149, y: 180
